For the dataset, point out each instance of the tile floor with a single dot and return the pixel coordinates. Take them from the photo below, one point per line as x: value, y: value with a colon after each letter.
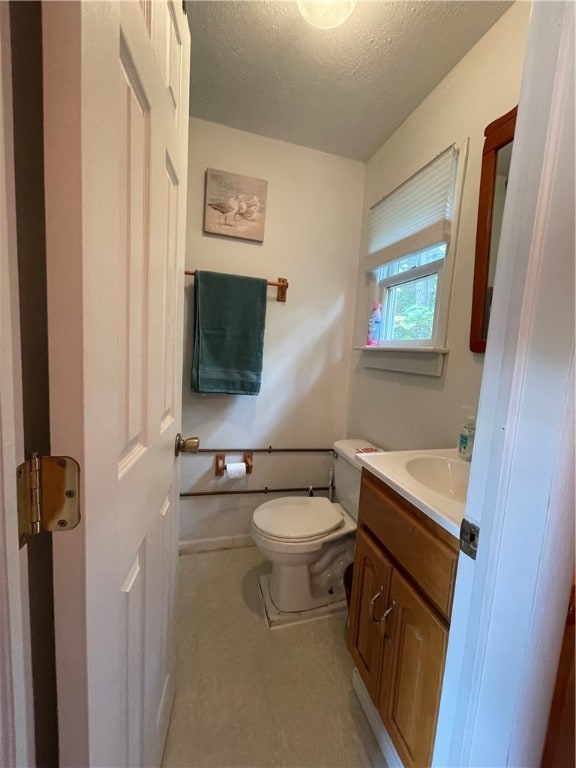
x: 251, y: 697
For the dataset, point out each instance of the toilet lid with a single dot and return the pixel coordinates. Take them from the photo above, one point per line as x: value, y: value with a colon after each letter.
x: 298, y: 518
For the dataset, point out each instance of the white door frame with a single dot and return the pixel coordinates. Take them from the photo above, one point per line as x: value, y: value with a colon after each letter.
x: 510, y: 606
x: 16, y: 715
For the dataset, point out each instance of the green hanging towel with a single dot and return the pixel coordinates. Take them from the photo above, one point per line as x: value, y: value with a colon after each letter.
x: 229, y: 317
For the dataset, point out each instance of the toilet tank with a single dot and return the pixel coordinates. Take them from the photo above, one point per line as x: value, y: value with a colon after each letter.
x: 347, y: 471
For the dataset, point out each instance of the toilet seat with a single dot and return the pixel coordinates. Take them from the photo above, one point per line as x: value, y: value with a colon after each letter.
x: 297, y: 519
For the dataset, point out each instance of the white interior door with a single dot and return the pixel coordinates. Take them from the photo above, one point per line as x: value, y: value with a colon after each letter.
x: 510, y: 604
x: 16, y: 720
x: 116, y: 124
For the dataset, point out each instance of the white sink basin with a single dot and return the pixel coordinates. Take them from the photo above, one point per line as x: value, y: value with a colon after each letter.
x: 435, y: 481
x: 441, y: 474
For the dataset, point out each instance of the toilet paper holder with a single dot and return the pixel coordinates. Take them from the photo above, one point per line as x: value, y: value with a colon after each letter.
x: 220, y: 463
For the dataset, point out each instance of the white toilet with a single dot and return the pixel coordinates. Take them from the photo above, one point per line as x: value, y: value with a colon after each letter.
x: 310, y: 540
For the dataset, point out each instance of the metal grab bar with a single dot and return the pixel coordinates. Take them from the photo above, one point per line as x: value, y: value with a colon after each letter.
x: 265, y: 490
x: 265, y: 450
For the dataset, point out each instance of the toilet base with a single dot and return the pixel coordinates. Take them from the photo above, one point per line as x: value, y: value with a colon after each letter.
x: 276, y: 619
x: 295, y: 588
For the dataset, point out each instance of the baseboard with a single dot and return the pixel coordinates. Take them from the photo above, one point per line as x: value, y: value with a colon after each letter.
x: 388, y: 750
x: 212, y: 544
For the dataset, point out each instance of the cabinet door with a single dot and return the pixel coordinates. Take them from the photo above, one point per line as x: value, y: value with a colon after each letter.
x: 414, y: 650
x: 372, y: 574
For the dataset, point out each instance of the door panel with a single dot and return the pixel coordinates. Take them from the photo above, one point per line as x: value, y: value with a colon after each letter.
x: 146, y: 9
x: 115, y: 325
x: 372, y: 573
x: 174, y: 60
x: 134, y: 229
x: 170, y: 283
x: 159, y: 680
x: 133, y: 609
x: 413, y: 667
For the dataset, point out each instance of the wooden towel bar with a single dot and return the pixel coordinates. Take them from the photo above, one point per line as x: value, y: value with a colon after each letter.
x: 281, y: 284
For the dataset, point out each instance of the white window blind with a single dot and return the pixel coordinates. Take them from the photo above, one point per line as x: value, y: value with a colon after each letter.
x: 416, y: 215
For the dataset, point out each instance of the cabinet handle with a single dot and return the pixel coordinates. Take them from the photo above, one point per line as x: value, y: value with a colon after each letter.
x: 373, y: 603
x: 388, y: 611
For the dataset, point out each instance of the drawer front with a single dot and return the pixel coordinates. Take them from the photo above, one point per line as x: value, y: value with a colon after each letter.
x: 427, y: 552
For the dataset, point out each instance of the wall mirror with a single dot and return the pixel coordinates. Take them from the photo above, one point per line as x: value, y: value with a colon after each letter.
x: 496, y: 156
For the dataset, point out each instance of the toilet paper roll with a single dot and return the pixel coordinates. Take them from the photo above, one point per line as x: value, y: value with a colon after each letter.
x: 236, y: 469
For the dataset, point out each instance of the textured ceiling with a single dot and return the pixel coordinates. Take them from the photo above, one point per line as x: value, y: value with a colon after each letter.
x: 259, y: 67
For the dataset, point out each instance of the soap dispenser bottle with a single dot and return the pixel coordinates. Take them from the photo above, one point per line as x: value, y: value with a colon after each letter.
x: 467, y: 434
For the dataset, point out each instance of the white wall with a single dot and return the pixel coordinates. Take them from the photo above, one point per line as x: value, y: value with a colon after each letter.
x: 399, y: 410
x: 312, y: 236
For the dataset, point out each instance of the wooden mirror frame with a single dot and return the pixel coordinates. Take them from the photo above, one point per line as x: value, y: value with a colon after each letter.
x: 497, y: 135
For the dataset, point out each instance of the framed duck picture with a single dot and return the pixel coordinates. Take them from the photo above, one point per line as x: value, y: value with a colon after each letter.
x: 235, y: 205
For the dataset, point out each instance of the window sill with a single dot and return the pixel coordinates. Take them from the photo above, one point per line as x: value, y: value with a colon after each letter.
x: 437, y: 350
x: 421, y: 361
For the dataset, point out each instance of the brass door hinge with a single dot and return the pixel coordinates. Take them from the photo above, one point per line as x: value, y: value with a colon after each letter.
x: 48, y: 495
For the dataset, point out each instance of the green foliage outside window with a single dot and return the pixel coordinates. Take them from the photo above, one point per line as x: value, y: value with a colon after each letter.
x: 414, y: 305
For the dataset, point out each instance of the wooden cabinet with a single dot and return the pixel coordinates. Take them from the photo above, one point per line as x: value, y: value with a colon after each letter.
x: 371, y: 588
x: 404, y: 573
x: 415, y: 642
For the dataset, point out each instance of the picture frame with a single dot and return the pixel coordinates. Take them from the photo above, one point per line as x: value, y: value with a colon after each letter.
x: 235, y: 205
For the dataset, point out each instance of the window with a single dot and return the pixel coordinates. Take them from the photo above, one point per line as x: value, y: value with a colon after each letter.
x: 409, y: 234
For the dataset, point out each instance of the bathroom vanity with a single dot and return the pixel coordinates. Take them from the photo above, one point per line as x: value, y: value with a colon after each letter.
x: 404, y: 574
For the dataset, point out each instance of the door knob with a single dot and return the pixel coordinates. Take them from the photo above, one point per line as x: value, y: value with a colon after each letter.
x: 190, y: 445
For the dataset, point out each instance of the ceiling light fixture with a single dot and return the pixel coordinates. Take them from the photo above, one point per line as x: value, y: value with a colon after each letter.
x: 326, y: 14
